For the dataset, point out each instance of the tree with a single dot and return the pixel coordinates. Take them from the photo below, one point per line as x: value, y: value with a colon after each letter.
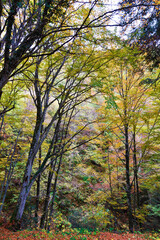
x: 27, y: 27
x: 33, y: 20
x: 49, y: 31
x: 60, y: 84
x: 125, y: 98
x: 11, y: 141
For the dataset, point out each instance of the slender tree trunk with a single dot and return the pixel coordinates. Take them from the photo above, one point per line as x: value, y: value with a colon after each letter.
x: 2, y: 122
x: 134, y: 158
x: 4, y: 196
x: 54, y: 193
x: 8, y: 174
x: 136, y: 184
x: 5, y: 185
x: 38, y: 189
x: 109, y: 171
x: 46, y: 203
x: 134, y: 199
x: 128, y: 185
x: 135, y: 169
x: 50, y: 175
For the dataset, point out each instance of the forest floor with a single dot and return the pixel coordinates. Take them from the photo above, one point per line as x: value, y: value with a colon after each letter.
x: 6, y: 234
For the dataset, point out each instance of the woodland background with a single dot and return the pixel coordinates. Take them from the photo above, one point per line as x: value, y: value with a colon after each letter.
x: 80, y: 114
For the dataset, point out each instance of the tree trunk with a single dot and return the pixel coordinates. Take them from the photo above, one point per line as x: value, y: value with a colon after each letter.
x: 24, y: 193
x: 38, y: 189
x: 109, y: 171
x: 46, y: 203
x: 3, y: 80
x: 26, y: 186
x: 54, y: 193
x: 135, y: 169
x: 128, y: 185
x: 8, y: 173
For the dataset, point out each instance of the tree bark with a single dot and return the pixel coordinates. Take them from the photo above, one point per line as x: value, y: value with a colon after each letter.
x: 128, y: 185
x: 109, y: 171
x: 26, y: 180
x: 135, y: 169
x: 38, y: 189
x: 54, y: 192
x: 46, y: 203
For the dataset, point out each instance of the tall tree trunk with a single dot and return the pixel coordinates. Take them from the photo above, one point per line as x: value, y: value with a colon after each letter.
x: 128, y: 185
x: 26, y: 186
x: 54, y: 192
x: 51, y: 173
x: 8, y: 173
x: 38, y: 189
x: 109, y: 171
x: 136, y: 184
x: 135, y: 169
x: 24, y: 192
x: 46, y: 203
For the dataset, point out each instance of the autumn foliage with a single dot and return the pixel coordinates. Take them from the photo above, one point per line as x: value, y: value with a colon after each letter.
x: 79, y: 119
x: 39, y: 234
